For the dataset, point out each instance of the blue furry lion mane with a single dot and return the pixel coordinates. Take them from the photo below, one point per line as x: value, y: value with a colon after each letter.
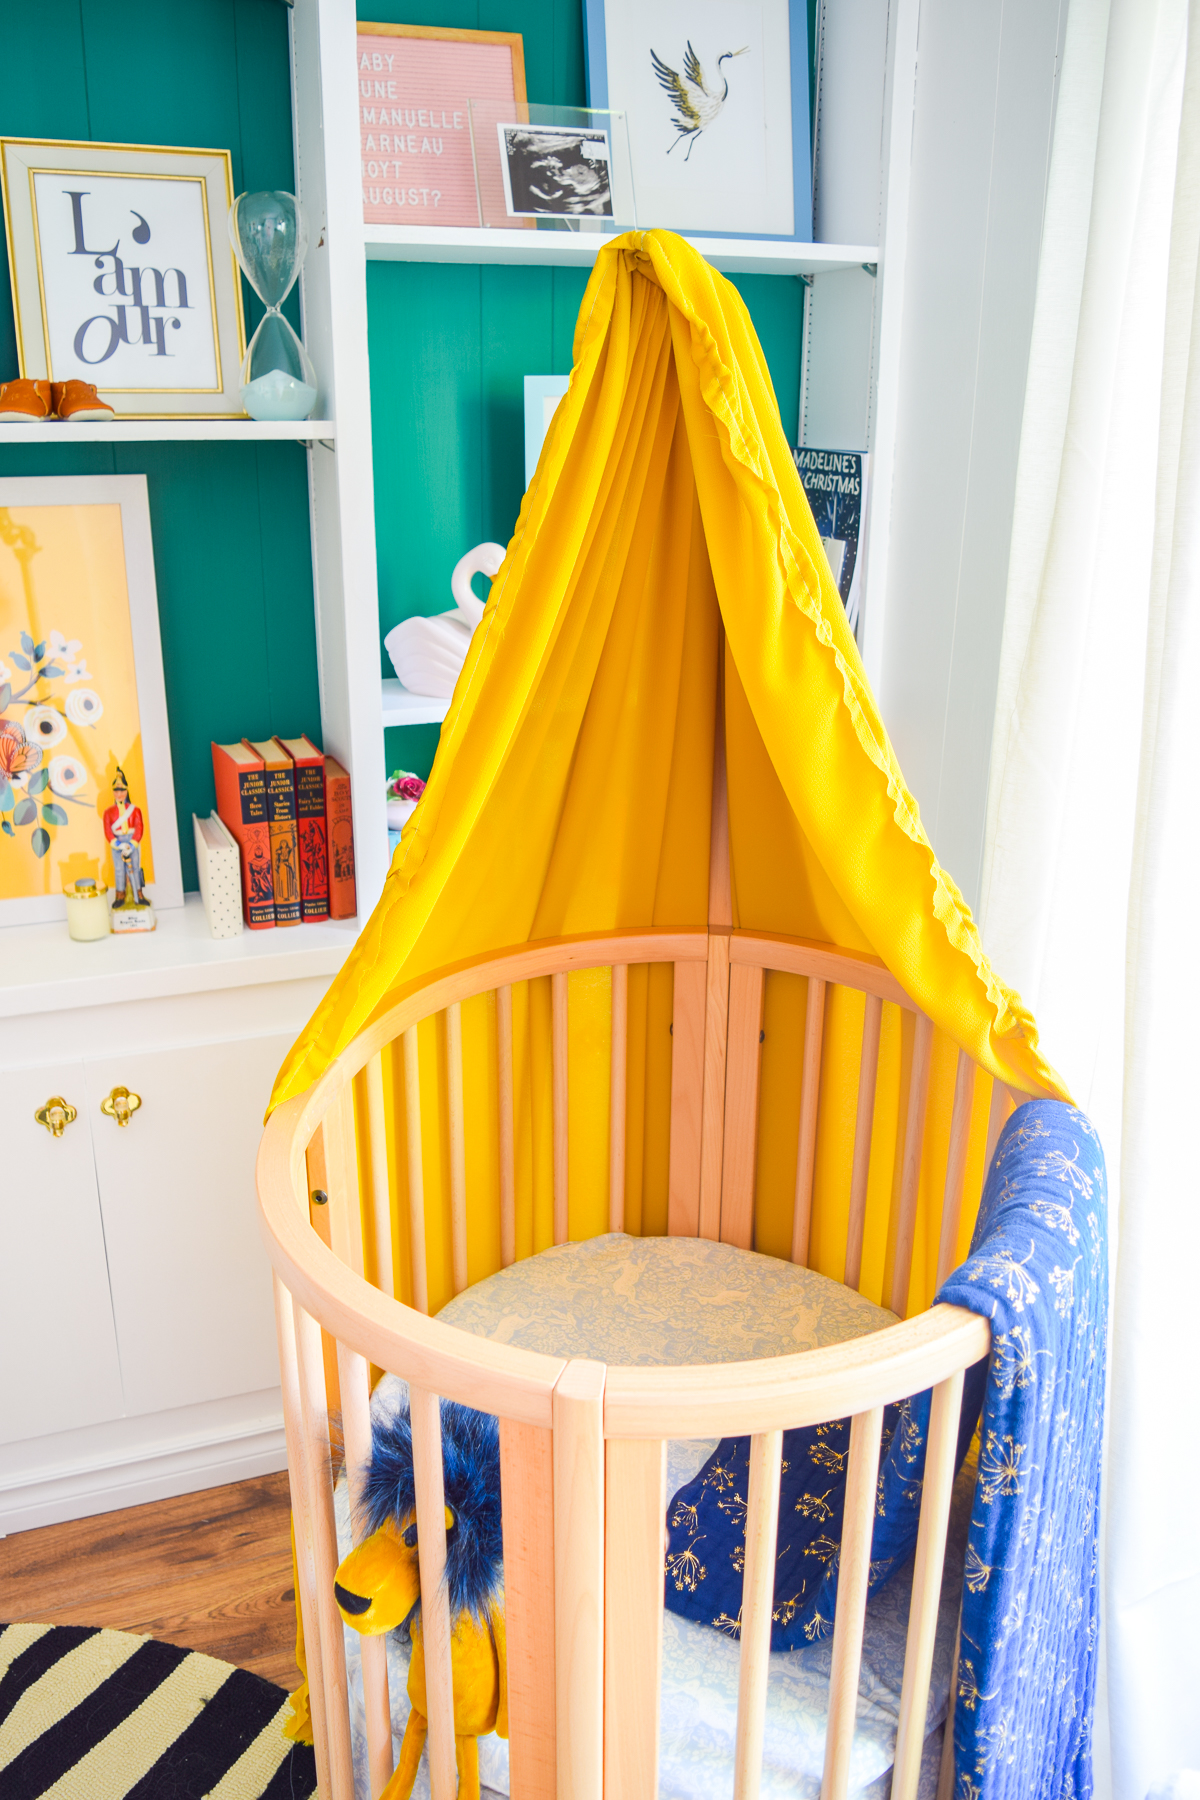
x: 471, y: 1474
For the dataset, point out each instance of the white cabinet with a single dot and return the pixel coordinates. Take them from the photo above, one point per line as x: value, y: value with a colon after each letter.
x: 191, y: 1285
x: 58, y: 1347
x: 137, y: 1334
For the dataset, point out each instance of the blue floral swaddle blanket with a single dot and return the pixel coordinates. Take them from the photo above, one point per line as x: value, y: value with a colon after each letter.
x: 1026, y: 1674
x: 1038, y: 1269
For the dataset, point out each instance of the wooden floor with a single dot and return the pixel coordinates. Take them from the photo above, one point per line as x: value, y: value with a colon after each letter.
x: 209, y: 1571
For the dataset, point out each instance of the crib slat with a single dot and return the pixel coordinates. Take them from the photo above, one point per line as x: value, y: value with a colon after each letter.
x: 316, y: 1464
x: 318, y: 1218
x: 956, y: 1164
x: 635, y: 1499
x: 758, y: 1597
x: 341, y: 1181
x: 617, y: 1097
x: 864, y: 1120
x: 306, y: 1571
x: 998, y: 1112
x: 559, y: 1032
x: 579, y: 1579
x: 746, y: 986
x: 810, y: 1098
x: 425, y: 1412
x: 458, y: 1145
x: 508, y: 1165
x: 527, y: 1491
x: 380, y: 1217
x: 687, y: 1098
x: 945, y: 1786
x: 853, y: 1574
x: 712, y: 1121
x: 416, y: 1171
x: 910, y: 1176
x: 355, y: 1383
x: 927, y: 1583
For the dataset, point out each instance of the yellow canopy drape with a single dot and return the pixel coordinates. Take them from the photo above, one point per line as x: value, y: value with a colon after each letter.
x: 572, y: 789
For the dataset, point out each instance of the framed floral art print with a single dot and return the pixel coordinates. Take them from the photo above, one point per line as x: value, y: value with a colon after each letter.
x: 85, y: 759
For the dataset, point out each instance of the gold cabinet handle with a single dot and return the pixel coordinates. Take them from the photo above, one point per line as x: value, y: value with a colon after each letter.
x: 56, y: 1115
x: 120, y: 1105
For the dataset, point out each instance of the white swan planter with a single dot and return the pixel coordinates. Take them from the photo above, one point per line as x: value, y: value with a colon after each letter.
x: 428, y: 654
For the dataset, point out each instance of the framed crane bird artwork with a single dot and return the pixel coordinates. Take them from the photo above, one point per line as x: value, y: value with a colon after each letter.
x: 716, y: 96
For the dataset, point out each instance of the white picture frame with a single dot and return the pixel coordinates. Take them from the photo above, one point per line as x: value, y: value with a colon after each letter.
x: 123, y: 274
x: 151, y: 780
x: 716, y: 97
x: 542, y: 396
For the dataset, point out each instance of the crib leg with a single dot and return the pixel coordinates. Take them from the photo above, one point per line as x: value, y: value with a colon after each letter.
x: 401, y: 1784
x: 468, y: 1767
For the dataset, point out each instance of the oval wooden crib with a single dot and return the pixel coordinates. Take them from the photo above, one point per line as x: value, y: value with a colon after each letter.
x: 583, y: 1446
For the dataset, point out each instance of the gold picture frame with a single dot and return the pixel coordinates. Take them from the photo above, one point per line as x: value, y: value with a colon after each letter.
x: 162, y: 336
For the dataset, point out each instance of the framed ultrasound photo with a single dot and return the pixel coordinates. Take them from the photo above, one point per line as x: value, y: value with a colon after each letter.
x: 123, y: 274
x: 555, y: 171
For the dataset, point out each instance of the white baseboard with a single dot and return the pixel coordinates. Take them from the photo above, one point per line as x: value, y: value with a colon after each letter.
x: 106, y: 1481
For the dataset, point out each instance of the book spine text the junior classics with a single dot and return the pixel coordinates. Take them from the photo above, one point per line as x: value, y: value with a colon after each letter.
x: 242, y: 807
x: 309, y: 774
x: 281, y: 817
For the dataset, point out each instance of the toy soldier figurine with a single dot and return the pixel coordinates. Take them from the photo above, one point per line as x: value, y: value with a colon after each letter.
x: 123, y: 827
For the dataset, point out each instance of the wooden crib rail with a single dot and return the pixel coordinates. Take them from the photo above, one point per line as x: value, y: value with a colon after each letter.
x: 583, y: 1451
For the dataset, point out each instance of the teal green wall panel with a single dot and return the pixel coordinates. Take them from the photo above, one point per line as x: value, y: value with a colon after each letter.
x: 551, y: 34
x: 230, y: 521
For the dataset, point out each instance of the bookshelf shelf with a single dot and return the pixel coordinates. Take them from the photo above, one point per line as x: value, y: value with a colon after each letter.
x: 578, y: 249
x: 402, y: 708
x: 169, y: 431
x: 43, y: 970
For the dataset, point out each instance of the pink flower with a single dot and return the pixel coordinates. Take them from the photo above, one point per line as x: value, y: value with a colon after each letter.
x: 405, y: 787
x: 17, y: 754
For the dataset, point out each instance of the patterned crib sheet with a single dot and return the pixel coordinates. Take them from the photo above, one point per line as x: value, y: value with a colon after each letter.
x: 653, y: 1301
x: 684, y: 1300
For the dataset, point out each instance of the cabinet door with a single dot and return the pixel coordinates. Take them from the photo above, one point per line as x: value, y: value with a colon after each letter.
x: 191, y: 1284
x: 58, y: 1349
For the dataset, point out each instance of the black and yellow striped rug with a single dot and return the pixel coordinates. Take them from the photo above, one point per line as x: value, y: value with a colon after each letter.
x: 106, y: 1715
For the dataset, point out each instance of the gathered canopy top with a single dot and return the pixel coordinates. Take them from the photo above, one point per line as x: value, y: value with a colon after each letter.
x: 666, y: 577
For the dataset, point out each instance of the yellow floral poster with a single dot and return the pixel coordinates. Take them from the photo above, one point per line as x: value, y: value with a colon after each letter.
x: 73, y: 790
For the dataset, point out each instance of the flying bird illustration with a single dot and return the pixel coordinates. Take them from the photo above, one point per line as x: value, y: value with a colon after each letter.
x: 695, y: 103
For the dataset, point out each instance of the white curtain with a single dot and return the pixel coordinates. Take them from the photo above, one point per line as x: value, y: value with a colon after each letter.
x: 1092, y: 868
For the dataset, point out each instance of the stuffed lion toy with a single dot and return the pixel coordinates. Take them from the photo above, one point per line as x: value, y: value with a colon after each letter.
x: 378, y: 1586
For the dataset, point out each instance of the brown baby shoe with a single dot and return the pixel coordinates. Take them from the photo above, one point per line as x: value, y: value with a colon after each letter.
x: 79, y: 400
x: 22, y: 402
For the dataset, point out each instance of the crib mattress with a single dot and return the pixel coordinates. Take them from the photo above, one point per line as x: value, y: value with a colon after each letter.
x: 662, y: 1300
x: 646, y: 1301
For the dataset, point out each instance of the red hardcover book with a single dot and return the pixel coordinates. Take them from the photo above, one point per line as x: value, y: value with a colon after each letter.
x: 308, y: 767
x: 281, y: 818
x: 343, y: 903
x: 242, y: 807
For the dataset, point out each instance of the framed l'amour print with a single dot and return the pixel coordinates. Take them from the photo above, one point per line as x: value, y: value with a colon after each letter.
x: 123, y: 274
x: 415, y: 86
x: 716, y: 95
x: 85, y: 759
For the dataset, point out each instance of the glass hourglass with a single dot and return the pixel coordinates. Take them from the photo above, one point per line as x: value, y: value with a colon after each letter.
x: 269, y: 234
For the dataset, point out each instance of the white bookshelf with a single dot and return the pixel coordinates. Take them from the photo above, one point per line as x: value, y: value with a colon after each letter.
x: 402, y: 708
x: 43, y: 970
x: 579, y: 249
x: 854, y: 289
x: 168, y: 431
